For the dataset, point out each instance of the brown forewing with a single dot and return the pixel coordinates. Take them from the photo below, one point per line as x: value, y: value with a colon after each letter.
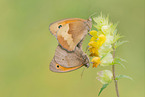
x: 53, y: 27
x: 72, y: 34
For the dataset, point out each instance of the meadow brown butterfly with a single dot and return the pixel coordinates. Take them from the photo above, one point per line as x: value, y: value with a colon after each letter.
x: 69, y: 54
x: 69, y: 32
x: 64, y: 61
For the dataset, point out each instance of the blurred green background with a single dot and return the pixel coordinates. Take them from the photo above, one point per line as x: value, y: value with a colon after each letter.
x: 27, y: 47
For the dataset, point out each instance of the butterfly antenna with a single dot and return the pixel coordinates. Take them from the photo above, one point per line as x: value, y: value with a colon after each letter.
x: 82, y: 73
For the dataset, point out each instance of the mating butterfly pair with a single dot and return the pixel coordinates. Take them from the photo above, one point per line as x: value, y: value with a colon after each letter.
x: 69, y: 33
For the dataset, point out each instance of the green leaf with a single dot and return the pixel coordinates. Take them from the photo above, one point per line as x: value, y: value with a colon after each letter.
x: 119, y: 61
x: 122, y: 76
x: 117, y: 44
x: 103, y: 87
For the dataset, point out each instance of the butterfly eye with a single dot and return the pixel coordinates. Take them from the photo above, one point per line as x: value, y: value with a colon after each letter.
x: 59, y: 26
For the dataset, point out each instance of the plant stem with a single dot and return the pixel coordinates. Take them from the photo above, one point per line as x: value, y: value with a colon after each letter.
x: 113, y: 70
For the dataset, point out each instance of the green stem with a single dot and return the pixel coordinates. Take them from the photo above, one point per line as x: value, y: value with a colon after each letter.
x: 114, y: 76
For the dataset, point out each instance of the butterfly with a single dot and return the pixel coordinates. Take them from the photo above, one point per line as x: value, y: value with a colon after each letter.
x: 64, y: 61
x: 69, y: 32
x: 69, y: 54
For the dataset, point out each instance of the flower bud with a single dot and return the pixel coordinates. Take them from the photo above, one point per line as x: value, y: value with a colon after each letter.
x: 107, y: 60
x: 105, y: 76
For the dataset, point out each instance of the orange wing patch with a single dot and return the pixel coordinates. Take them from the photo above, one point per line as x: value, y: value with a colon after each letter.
x: 63, y: 42
x: 61, y: 68
x: 54, y: 26
x: 67, y: 21
x: 65, y: 39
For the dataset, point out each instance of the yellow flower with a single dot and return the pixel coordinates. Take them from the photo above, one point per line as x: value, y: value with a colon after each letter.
x: 93, y: 44
x: 102, y: 37
x: 93, y: 39
x: 101, y: 40
x: 93, y: 51
x: 93, y: 33
x: 94, y: 54
x: 96, y: 61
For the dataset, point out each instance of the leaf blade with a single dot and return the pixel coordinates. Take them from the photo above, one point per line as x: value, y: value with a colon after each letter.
x: 117, y: 44
x: 103, y: 87
x: 119, y: 61
x: 123, y: 76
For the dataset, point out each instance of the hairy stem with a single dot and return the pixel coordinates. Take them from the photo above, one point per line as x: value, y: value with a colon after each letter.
x: 114, y: 76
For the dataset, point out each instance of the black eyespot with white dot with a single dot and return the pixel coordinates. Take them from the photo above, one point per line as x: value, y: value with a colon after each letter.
x: 59, y: 26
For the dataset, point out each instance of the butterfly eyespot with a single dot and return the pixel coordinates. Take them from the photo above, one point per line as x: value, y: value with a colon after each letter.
x: 59, y: 26
x: 57, y: 66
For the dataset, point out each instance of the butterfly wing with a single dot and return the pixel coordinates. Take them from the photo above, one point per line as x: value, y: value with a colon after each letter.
x: 64, y: 61
x: 54, y: 27
x: 55, y: 67
x: 71, y: 32
x: 68, y: 59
